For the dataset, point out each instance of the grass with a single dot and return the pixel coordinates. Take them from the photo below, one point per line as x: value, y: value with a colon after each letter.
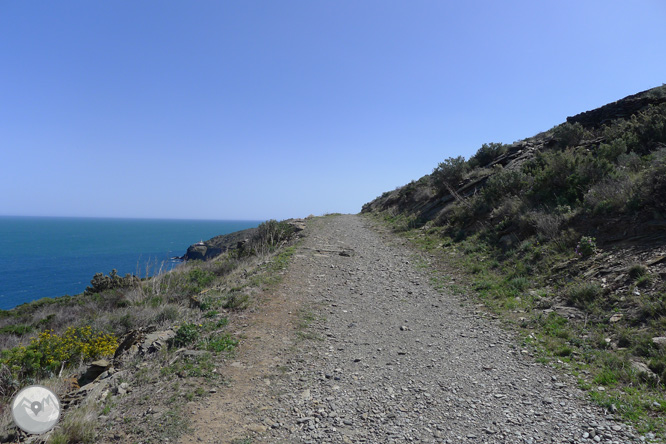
x: 76, y: 427
x: 517, y: 285
x: 196, y: 296
x: 305, y: 320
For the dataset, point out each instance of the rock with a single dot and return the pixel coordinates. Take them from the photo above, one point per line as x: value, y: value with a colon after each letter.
x: 94, y: 370
x: 193, y: 353
x: 508, y: 241
x: 615, y: 318
x: 305, y: 395
x: 155, y: 341
x: 659, y: 341
x: 622, y: 108
x: 129, y: 344
x: 212, y: 248
x: 643, y: 370
x: 298, y: 224
x: 257, y: 428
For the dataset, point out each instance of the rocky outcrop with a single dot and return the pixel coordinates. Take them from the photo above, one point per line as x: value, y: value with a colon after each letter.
x: 219, y: 244
x: 620, y: 109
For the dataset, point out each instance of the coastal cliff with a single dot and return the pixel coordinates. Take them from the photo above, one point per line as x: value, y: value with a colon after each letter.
x: 207, y: 250
x: 217, y: 245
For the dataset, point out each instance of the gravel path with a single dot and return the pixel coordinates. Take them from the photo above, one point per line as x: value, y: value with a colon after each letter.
x: 396, y: 361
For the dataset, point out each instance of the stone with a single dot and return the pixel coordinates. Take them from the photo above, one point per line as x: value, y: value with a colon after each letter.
x: 615, y: 318
x: 94, y: 370
x: 643, y: 370
x: 659, y: 341
x: 155, y: 341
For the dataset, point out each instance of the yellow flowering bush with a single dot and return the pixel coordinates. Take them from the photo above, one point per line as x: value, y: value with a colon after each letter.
x: 48, y: 351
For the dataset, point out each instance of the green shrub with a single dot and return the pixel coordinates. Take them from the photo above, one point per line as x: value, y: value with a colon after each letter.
x: 198, y: 280
x: 569, y: 134
x: 637, y: 270
x: 652, y: 307
x: 220, y: 343
x: 611, y: 151
x: 449, y: 173
x: 519, y: 283
x: 586, y: 247
x: 564, y: 177
x: 48, y: 351
x: 236, y: 301
x: 505, y: 183
x: 653, y: 186
x: 487, y: 154
x: 18, y: 330
x: 270, y: 235
x: 583, y: 294
x: 186, y: 334
x: 610, y: 195
x: 644, y: 281
x: 100, y: 282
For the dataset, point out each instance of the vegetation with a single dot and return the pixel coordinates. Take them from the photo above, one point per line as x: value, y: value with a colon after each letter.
x: 542, y: 231
x: 49, y: 352
x: 46, y: 340
x: 100, y: 282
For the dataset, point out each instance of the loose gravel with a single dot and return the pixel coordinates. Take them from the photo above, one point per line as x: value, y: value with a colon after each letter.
x: 386, y: 358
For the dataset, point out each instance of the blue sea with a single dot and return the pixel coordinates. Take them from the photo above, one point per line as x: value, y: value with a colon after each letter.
x: 54, y: 256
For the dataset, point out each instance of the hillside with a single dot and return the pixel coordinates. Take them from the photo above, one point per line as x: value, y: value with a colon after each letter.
x: 564, y: 235
x: 125, y: 341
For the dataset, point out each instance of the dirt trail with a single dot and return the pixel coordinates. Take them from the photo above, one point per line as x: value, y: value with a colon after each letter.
x: 386, y: 358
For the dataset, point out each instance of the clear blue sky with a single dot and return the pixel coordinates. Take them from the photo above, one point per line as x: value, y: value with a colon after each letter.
x: 277, y: 109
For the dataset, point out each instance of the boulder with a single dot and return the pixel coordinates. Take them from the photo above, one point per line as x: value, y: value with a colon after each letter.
x: 659, y: 341
x: 94, y: 370
x: 643, y: 371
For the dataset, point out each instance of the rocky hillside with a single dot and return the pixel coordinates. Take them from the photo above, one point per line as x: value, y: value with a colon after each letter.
x: 563, y: 234
x: 615, y: 136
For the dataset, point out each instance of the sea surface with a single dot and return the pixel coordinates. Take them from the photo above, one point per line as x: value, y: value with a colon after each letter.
x: 54, y: 256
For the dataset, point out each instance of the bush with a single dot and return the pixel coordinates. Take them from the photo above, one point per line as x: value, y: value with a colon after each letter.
x: 569, y: 134
x: 220, y: 343
x: 198, y: 280
x: 186, y: 334
x: 487, y: 154
x: 637, y: 270
x: 18, y: 330
x: 653, y: 186
x: 449, y: 173
x: 586, y: 247
x: 610, y: 195
x: 270, y: 235
x: 100, y: 282
x: 563, y: 177
x: 611, y: 151
x: 547, y: 225
x: 47, y: 352
x: 505, y: 183
x: 583, y: 294
x: 236, y: 301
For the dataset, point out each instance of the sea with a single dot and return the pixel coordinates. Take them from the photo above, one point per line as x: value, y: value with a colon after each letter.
x: 56, y: 256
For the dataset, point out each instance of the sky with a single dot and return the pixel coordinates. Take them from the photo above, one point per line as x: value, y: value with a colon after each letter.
x: 277, y: 109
